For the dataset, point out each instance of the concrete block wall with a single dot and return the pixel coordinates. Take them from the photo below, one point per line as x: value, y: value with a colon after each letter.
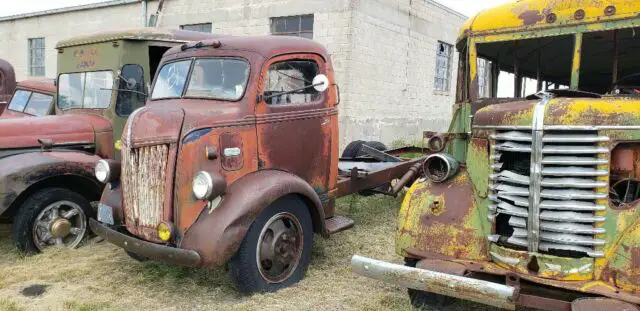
x: 14, y: 34
x: 391, y: 95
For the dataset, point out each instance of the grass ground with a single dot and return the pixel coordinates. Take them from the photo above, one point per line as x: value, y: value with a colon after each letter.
x: 99, y: 276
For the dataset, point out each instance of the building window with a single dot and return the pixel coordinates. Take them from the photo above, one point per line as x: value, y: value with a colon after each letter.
x: 204, y: 27
x: 443, y: 67
x: 36, y: 56
x: 299, y: 26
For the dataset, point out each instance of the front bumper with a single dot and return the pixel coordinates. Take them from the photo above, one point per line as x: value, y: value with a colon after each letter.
x: 172, y: 255
x: 480, y: 291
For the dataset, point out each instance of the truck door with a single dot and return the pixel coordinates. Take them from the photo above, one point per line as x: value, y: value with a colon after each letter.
x: 294, y: 129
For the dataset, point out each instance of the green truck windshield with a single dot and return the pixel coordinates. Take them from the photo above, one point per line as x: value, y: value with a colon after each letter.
x: 214, y: 78
x: 85, y: 90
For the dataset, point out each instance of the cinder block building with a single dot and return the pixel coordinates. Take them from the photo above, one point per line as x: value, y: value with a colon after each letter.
x: 394, y: 59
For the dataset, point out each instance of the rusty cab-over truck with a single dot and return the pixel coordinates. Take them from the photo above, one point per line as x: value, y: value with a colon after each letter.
x: 544, y: 210
x: 235, y: 159
x: 46, y: 163
x: 32, y: 98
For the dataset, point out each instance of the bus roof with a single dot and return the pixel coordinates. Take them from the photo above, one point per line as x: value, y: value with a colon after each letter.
x: 527, y: 15
x: 142, y: 34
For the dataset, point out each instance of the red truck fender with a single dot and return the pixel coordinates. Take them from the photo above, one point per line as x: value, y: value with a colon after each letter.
x: 216, y: 235
x: 20, y: 172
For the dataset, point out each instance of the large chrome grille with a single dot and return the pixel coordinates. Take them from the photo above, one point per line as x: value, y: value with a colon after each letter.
x: 549, y: 192
x: 143, y: 184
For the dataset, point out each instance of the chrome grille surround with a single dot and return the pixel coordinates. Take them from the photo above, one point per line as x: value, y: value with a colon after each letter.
x: 558, y: 204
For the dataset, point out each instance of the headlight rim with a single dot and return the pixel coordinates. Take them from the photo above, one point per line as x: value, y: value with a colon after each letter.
x: 106, y: 165
x: 209, y: 190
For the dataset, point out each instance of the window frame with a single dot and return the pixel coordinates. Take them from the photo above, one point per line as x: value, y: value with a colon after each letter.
x: 447, y: 79
x: 117, y: 88
x: 192, y: 61
x: 209, y: 24
x: 299, y: 32
x: 31, y: 93
x: 57, y: 97
x: 34, y: 71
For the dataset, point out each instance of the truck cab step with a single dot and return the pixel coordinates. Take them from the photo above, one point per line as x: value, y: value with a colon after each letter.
x: 336, y: 224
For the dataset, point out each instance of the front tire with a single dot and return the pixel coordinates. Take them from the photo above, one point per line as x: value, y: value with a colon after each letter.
x: 276, y: 250
x: 51, y: 216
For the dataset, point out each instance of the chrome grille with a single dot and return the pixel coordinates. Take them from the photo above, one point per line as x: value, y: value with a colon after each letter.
x: 143, y: 183
x: 573, y: 189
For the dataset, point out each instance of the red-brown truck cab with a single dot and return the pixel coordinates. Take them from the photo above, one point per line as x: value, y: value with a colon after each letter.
x: 32, y: 98
x: 234, y: 159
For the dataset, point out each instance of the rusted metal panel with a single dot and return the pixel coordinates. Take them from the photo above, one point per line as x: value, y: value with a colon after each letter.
x: 17, y: 173
x: 231, y: 151
x: 218, y: 232
x: 61, y: 129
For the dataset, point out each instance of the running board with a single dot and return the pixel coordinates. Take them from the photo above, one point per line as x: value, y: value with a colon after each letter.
x: 337, y: 224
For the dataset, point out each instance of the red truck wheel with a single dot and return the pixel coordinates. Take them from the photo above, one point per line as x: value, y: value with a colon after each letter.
x: 276, y: 250
x: 51, y: 217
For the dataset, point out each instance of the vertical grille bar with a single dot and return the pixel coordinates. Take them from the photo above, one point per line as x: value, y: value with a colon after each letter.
x: 533, y: 221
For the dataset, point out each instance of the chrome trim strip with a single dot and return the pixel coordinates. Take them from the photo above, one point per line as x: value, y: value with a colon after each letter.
x: 533, y: 220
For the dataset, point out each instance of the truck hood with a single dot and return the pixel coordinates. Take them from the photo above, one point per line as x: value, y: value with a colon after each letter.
x: 169, y: 120
x: 564, y: 111
x: 61, y: 129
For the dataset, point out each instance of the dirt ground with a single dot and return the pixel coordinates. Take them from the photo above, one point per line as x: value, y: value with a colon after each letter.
x: 99, y: 276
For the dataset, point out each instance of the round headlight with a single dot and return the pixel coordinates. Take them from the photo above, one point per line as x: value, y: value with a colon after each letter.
x: 102, y: 171
x: 202, y: 185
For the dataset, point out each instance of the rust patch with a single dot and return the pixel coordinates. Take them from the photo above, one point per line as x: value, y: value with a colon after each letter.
x: 531, y: 17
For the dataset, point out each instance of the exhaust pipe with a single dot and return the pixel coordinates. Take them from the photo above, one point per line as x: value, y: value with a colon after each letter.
x: 440, y: 166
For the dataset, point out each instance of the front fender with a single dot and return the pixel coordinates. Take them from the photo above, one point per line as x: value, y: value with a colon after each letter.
x: 19, y: 172
x: 447, y: 219
x: 217, y: 234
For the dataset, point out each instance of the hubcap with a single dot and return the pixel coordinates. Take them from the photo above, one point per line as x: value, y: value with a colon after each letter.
x: 61, y: 223
x: 60, y: 228
x: 279, y: 247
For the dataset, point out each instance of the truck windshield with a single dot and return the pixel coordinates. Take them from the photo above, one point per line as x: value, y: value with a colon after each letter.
x: 85, y: 90
x: 32, y: 103
x: 214, y: 78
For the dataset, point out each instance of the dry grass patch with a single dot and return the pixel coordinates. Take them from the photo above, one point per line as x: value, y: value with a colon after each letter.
x: 99, y: 276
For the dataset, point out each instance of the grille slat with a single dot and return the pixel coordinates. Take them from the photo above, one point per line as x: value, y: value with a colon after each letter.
x: 144, y: 183
x: 571, y: 179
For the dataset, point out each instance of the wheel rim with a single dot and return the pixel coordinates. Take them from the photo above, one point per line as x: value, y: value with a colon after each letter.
x: 279, y: 247
x: 61, y: 224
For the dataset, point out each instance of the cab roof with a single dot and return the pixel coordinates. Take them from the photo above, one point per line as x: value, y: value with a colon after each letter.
x: 141, y: 34
x: 522, y: 15
x: 267, y: 46
x: 41, y: 85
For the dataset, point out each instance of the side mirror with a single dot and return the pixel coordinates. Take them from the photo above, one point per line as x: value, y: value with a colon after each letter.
x: 320, y: 83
